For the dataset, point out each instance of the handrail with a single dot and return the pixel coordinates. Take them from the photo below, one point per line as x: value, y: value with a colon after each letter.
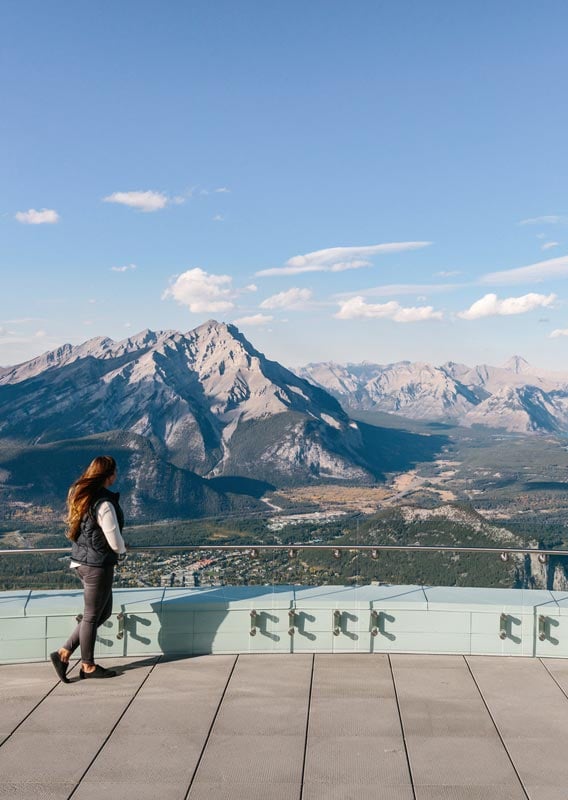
x: 254, y: 549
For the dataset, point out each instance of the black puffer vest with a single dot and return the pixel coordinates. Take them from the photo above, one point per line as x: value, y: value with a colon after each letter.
x: 91, y: 547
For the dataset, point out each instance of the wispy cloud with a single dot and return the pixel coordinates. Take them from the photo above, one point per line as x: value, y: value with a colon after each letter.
x: 339, y: 259
x: 293, y: 299
x: 144, y: 201
x: 549, y: 245
x: 357, y: 308
x: 558, y: 332
x: 125, y: 268
x: 47, y: 216
x: 11, y: 337
x: 550, y: 219
x: 395, y: 289
x: 218, y: 218
x: 490, y: 305
x: 205, y: 192
x: 451, y: 274
x: 21, y: 320
x: 201, y: 291
x: 552, y: 268
x: 255, y: 319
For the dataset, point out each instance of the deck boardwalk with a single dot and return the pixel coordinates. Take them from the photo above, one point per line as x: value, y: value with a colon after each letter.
x: 289, y: 727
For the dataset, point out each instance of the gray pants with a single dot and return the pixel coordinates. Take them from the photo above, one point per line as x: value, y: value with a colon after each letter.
x: 97, y: 583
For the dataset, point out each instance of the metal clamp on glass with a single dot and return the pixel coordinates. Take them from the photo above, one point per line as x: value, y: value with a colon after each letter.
x: 292, y: 619
x: 121, y: 622
x: 374, y: 623
x: 253, y: 616
x: 503, y: 626
x: 336, y: 622
x: 542, y: 628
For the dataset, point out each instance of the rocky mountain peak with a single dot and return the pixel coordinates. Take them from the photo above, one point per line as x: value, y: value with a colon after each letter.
x: 518, y: 365
x: 191, y: 396
x: 516, y: 396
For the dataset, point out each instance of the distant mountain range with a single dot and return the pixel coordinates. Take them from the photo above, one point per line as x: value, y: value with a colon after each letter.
x: 203, y: 423
x: 515, y: 397
x: 184, y: 411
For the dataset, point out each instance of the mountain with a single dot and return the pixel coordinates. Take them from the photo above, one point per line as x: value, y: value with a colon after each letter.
x: 515, y: 396
x: 206, y: 403
x: 415, y: 390
x: 522, y: 409
x: 34, y: 480
x: 515, y: 372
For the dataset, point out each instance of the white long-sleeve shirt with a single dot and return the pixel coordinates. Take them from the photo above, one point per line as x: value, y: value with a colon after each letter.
x: 106, y: 519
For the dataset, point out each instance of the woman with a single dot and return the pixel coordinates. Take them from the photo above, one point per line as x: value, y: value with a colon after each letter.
x: 95, y: 527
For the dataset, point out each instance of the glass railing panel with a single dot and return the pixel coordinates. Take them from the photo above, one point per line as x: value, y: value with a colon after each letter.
x: 297, y: 549
x: 211, y: 565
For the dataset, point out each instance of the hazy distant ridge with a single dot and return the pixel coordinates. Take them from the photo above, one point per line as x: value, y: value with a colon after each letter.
x: 515, y: 396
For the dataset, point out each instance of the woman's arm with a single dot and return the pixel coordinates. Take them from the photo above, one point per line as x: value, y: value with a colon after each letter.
x: 106, y: 518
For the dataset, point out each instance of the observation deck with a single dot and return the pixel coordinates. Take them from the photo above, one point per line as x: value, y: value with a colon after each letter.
x: 290, y: 693
x: 289, y: 727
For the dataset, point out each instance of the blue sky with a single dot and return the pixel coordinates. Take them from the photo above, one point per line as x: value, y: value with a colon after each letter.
x: 345, y: 181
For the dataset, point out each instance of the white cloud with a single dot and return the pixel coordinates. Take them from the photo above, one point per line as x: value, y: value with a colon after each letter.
x: 222, y: 190
x: 559, y: 332
x: 218, y: 218
x: 292, y: 299
x: 551, y: 219
x: 357, y: 308
x: 12, y: 338
x: 21, y: 320
x: 202, y: 292
x: 339, y: 259
x: 47, y: 216
x: 250, y: 289
x: 490, y: 305
x: 144, y: 201
x: 256, y: 319
x: 126, y: 268
x: 549, y: 245
x: 356, y: 263
x: 394, y: 289
x: 451, y: 274
x: 533, y: 273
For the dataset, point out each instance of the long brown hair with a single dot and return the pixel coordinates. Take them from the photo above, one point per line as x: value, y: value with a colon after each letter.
x: 83, y: 491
